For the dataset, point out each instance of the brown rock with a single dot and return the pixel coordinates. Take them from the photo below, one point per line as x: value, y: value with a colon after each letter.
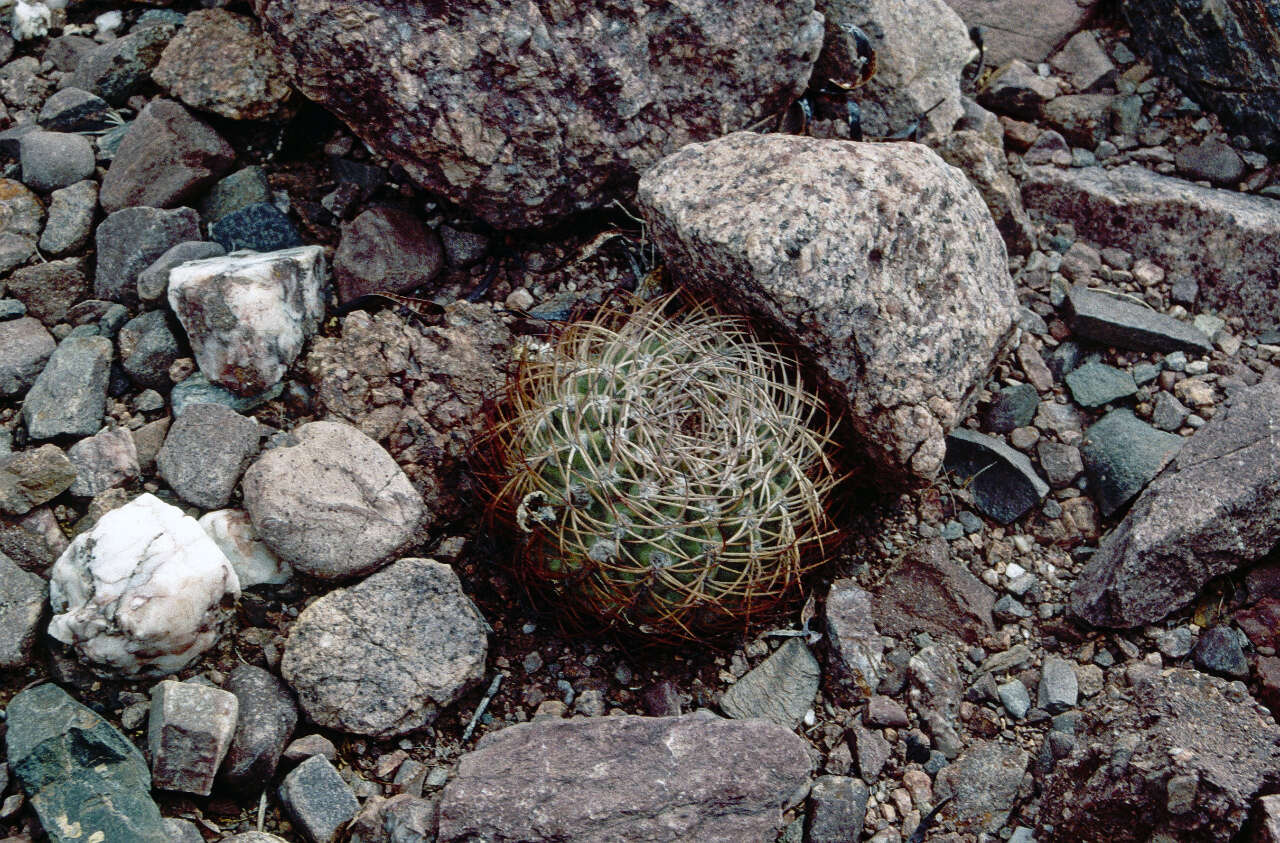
x: 925, y: 590
x: 1083, y: 119
x: 50, y: 289
x: 385, y: 249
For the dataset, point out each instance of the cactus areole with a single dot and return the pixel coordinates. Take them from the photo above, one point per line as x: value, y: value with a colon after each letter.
x: 664, y: 470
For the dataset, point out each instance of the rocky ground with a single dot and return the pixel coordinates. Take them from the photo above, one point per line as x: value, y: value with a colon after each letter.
x: 1054, y: 615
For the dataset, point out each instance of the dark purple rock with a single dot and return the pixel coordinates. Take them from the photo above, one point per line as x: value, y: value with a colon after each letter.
x: 927, y: 591
x: 130, y: 240
x: 266, y: 720
x: 385, y: 249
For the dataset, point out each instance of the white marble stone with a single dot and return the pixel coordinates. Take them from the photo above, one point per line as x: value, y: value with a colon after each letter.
x: 248, y: 314
x: 30, y: 20
x: 254, y: 562
x: 140, y: 593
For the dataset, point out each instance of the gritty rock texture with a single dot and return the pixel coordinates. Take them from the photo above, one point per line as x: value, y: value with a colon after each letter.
x: 25, y: 348
x: 333, y: 504
x: 139, y: 593
x: 1109, y: 320
x: 265, y: 719
x: 254, y: 563
x: 385, y: 249
x: 1226, y: 241
x: 383, y: 657
x: 928, y: 591
x: 248, y: 314
x: 780, y: 689
x: 985, y: 166
x: 695, y: 777
x: 827, y: 244
x: 857, y: 649
x: 1176, y: 730
x: 318, y: 799
x: 1023, y: 29
x: 70, y: 394
x: 188, y: 732
x: 524, y: 114
x: 207, y: 449
x: 104, y: 461
x: 1212, y: 511
x: 22, y: 601
x: 130, y: 240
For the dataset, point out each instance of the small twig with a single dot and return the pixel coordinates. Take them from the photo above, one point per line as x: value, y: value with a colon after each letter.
x: 484, y: 703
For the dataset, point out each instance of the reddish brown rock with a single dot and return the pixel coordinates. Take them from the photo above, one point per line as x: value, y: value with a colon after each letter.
x: 385, y: 249
x: 926, y: 591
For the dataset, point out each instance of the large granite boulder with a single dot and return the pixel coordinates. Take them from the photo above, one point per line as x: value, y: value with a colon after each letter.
x: 526, y: 112
x: 835, y: 247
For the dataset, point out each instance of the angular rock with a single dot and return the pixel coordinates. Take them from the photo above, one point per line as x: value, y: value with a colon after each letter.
x: 1219, y: 651
x: 769, y: 225
x: 196, y: 389
x: 70, y: 394
x: 22, y: 600
x: 153, y: 282
x: 104, y: 461
x: 207, y: 449
x: 403, y: 818
x: 935, y: 682
x: 219, y: 62
x: 261, y: 227
x: 1228, y: 242
x: 926, y: 591
x: 985, y: 166
x: 385, y: 249
x: 1110, y: 320
x: 1268, y: 826
x: 983, y: 783
x: 695, y: 777
x: 85, y: 779
x: 1121, y: 455
x: 1013, y: 407
x: 1083, y: 119
x: 71, y: 213
x: 334, y: 504
x: 1002, y: 480
x: 149, y: 344
x: 188, y: 732
x: 247, y: 315
x: 1059, y: 689
x: 780, y: 689
x: 1061, y: 463
x: 837, y: 808
x: 120, y: 68
x: 21, y: 218
x: 33, y: 541
x: 1084, y: 63
x: 241, y: 189
x: 1017, y: 90
x: 318, y: 800
x: 1212, y: 511
x: 1139, y: 755
x: 166, y: 157
x: 139, y: 593
x: 1023, y: 29
x: 25, y: 348
x: 1095, y: 384
x: 266, y: 718
x: 1015, y: 699
x: 857, y: 649
x: 53, y: 160
x: 453, y: 97
x: 74, y: 110
x: 130, y: 240
x: 383, y: 657
x: 254, y: 563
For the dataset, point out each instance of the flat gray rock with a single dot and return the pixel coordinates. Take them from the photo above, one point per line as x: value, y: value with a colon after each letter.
x: 22, y: 604
x: 206, y: 451
x: 983, y: 784
x: 318, y: 799
x: 129, y: 240
x: 25, y: 348
x: 780, y: 689
x: 857, y: 648
x: 1003, y: 482
x: 70, y: 395
x: 1095, y: 384
x: 1121, y: 455
x: 1110, y: 320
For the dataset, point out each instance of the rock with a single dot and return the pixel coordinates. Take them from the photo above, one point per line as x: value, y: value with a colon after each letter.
x: 385, y: 249
x: 119, y: 69
x: 85, y: 780
x: 1268, y: 825
x: 1109, y: 320
x: 1211, y: 161
x: 21, y: 84
x: 22, y: 599
x: 21, y: 218
x: 188, y: 732
x: 219, y: 62
x: 1017, y: 90
x: 71, y: 213
x: 982, y: 784
x: 926, y: 590
x: 1083, y: 119
x: 439, y: 378
x: 183, y: 831
x: 1222, y: 56
x: 1084, y: 63
x: 261, y: 227
x: 831, y: 279
x: 1023, y: 29
x: 33, y: 541
x: 1061, y: 463
x: 166, y: 157
x: 149, y: 344
x: 1219, y: 651
x: 196, y: 389
x: 64, y: 52
x: 1224, y: 240
x: 1059, y: 689
x: 1095, y: 384
x: 69, y: 396
x: 921, y: 47
x: 153, y: 282
x: 247, y: 315
x: 318, y: 800
x: 985, y: 166
x: 837, y: 808
x: 253, y: 837
x: 308, y: 745
x: 463, y: 249
x: 1015, y: 699
x: 104, y: 461
x: 139, y: 593
x: 207, y: 449
x: 384, y: 656
x: 130, y: 240
x: 1121, y: 455
x: 239, y: 190
x: 74, y: 110
x: 265, y: 721
x: 695, y: 777
x: 1003, y: 483
x: 451, y: 97
x: 254, y: 562
x: 780, y: 689
x: 50, y: 289
x: 53, y: 160
x: 334, y: 504
x: 1013, y: 407
x: 402, y: 818
x: 25, y: 348
x: 1135, y: 750
x: 857, y: 650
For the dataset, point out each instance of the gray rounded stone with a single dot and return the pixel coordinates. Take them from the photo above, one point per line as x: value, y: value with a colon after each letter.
x: 52, y: 160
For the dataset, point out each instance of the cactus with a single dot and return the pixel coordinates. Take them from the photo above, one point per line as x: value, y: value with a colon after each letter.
x: 665, y: 471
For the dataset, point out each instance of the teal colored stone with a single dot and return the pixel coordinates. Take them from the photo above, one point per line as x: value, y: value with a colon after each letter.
x: 1095, y: 384
x: 198, y: 389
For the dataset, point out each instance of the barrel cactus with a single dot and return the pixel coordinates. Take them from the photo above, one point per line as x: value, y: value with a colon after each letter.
x: 664, y: 469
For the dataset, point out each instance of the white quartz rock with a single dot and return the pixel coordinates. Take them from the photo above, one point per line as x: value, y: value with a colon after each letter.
x: 31, y: 20
x: 140, y: 593
x: 248, y: 314
x: 254, y: 562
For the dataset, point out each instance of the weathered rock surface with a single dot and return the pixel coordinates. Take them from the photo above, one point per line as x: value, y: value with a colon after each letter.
x: 104, y: 461
x: 983, y: 782
x: 1110, y: 320
x: 188, y: 732
x: 70, y: 394
x: 985, y: 166
x: 248, y: 314
x: 832, y: 245
x: 1121, y: 455
x: 139, y: 593
x: 25, y: 347
x: 21, y: 219
x: 265, y: 720
x: 383, y: 657
x: 318, y: 799
x: 22, y: 601
x: 857, y: 649
x: 695, y: 777
x: 926, y: 591
x: 30, y: 478
x: 130, y: 240
x: 385, y: 249
x: 333, y: 504
x: 1212, y: 511
x: 1003, y: 481
x: 780, y: 689
x: 526, y: 114
x: 1023, y: 29
x: 1179, y: 754
x: 205, y: 452
x: 1228, y: 242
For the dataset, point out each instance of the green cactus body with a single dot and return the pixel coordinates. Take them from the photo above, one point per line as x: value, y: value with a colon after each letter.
x: 667, y: 473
